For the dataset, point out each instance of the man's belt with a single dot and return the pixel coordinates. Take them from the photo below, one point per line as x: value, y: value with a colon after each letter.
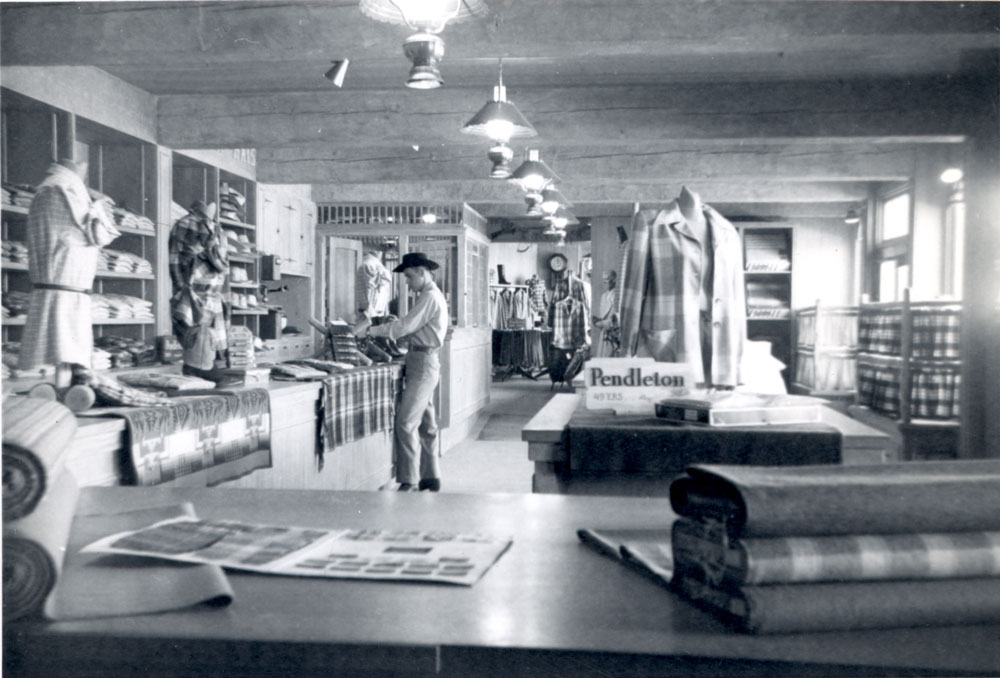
x: 61, y: 288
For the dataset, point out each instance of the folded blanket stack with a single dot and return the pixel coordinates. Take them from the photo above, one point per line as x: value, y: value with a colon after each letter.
x: 813, y: 548
x: 119, y: 306
x: 18, y: 195
x: 14, y: 252
x: 128, y: 219
x: 123, y: 262
x: 15, y: 304
x: 240, y: 347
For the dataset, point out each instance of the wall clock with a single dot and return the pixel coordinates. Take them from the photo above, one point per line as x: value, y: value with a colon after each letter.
x: 558, y: 262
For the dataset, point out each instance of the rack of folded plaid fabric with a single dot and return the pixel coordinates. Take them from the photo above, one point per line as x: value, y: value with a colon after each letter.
x: 18, y: 195
x: 821, y: 548
x: 123, y: 262
x: 109, y: 306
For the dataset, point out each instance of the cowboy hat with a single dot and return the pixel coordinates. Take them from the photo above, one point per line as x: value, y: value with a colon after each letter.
x: 414, y: 259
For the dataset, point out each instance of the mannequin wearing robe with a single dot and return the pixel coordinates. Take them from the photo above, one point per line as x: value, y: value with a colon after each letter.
x: 66, y: 231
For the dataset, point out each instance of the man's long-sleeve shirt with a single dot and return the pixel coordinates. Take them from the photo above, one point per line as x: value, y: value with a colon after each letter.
x: 426, y: 323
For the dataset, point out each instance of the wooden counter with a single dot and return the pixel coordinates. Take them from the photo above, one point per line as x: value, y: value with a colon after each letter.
x: 545, y: 434
x: 549, y: 606
x: 98, y: 451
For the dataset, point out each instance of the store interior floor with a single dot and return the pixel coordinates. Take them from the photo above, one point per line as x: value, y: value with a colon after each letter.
x: 493, y: 458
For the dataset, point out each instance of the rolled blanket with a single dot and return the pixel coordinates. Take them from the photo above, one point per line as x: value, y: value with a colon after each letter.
x: 33, y: 550
x: 801, y: 501
x: 36, y: 435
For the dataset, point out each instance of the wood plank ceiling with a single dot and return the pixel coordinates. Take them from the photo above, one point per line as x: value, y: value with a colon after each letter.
x: 767, y: 108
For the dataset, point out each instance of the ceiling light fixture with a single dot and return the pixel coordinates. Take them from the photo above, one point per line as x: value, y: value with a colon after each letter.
x: 499, y: 121
x: 552, y: 200
x: 852, y: 216
x: 424, y: 49
x: 533, y: 175
x: 952, y: 175
x: 337, y: 73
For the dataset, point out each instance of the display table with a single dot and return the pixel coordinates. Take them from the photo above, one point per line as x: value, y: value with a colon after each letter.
x: 620, y: 466
x: 549, y: 606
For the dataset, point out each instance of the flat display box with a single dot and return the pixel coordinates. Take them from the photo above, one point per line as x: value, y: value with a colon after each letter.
x: 250, y: 376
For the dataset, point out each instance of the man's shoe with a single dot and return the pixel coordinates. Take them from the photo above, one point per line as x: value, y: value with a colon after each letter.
x: 405, y: 487
x: 432, y: 484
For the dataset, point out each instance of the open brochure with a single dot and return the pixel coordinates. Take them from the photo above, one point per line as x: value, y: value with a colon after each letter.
x: 402, y: 555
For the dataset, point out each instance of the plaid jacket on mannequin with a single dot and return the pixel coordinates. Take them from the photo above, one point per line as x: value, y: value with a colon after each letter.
x: 660, y: 294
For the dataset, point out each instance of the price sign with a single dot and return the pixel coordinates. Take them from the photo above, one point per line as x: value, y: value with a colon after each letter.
x: 633, y: 385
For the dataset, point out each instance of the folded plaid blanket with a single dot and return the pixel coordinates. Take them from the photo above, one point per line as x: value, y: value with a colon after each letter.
x: 356, y: 404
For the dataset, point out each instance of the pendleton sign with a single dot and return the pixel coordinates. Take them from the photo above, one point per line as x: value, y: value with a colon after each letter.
x: 633, y: 385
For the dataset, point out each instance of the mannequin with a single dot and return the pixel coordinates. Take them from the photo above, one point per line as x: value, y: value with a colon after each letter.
x: 607, y: 342
x: 66, y: 230
x: 198, y: 270
x: 683, y: 297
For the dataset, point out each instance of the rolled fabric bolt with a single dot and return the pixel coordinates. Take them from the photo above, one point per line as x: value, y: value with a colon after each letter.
x: 36, y: 435
x: 79, y: 398
x: 44, y: 392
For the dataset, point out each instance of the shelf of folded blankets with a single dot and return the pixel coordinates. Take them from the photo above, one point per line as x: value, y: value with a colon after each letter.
x: 124, y: 274
x: 250, y: 311
x: 238, y: 224
x: 13, y: 266
x: 16, y: 320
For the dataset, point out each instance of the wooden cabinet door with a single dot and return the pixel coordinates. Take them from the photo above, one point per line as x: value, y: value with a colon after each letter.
x: 341, y: 260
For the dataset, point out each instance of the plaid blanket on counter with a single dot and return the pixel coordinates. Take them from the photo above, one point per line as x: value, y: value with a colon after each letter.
x: 199, y: 441
x: 356, y: 404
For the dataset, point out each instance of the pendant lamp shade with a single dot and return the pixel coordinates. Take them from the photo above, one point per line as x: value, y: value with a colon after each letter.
x: 533, y: 175
x: 422, y: 15
x: 562, y: 218
x: 553, y: 199
x: 499, y: 120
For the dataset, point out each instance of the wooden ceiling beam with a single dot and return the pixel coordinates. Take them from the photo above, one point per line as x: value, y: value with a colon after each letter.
x: 594, y: 191
x: 744, y: 110
x: 667, y: 162
x: 203, y: 33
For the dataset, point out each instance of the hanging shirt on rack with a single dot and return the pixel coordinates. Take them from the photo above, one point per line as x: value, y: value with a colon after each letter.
x: 537, y: 294
x: 372, y: 286
x: 570, y: 322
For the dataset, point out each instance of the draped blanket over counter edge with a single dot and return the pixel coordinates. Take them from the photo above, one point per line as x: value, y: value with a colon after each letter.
x: 601, y: 441
x: 356, y: 404
x: 200, y: 441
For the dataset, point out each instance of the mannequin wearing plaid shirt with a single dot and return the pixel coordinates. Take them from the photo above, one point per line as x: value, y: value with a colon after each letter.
x: 683, y: 299
x: 198, y: 270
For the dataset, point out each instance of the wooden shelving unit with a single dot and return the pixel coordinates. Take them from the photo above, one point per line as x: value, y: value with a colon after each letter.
x: 767, y: 272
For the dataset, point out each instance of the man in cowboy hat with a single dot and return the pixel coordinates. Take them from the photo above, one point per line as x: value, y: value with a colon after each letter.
x: 425, y: 327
